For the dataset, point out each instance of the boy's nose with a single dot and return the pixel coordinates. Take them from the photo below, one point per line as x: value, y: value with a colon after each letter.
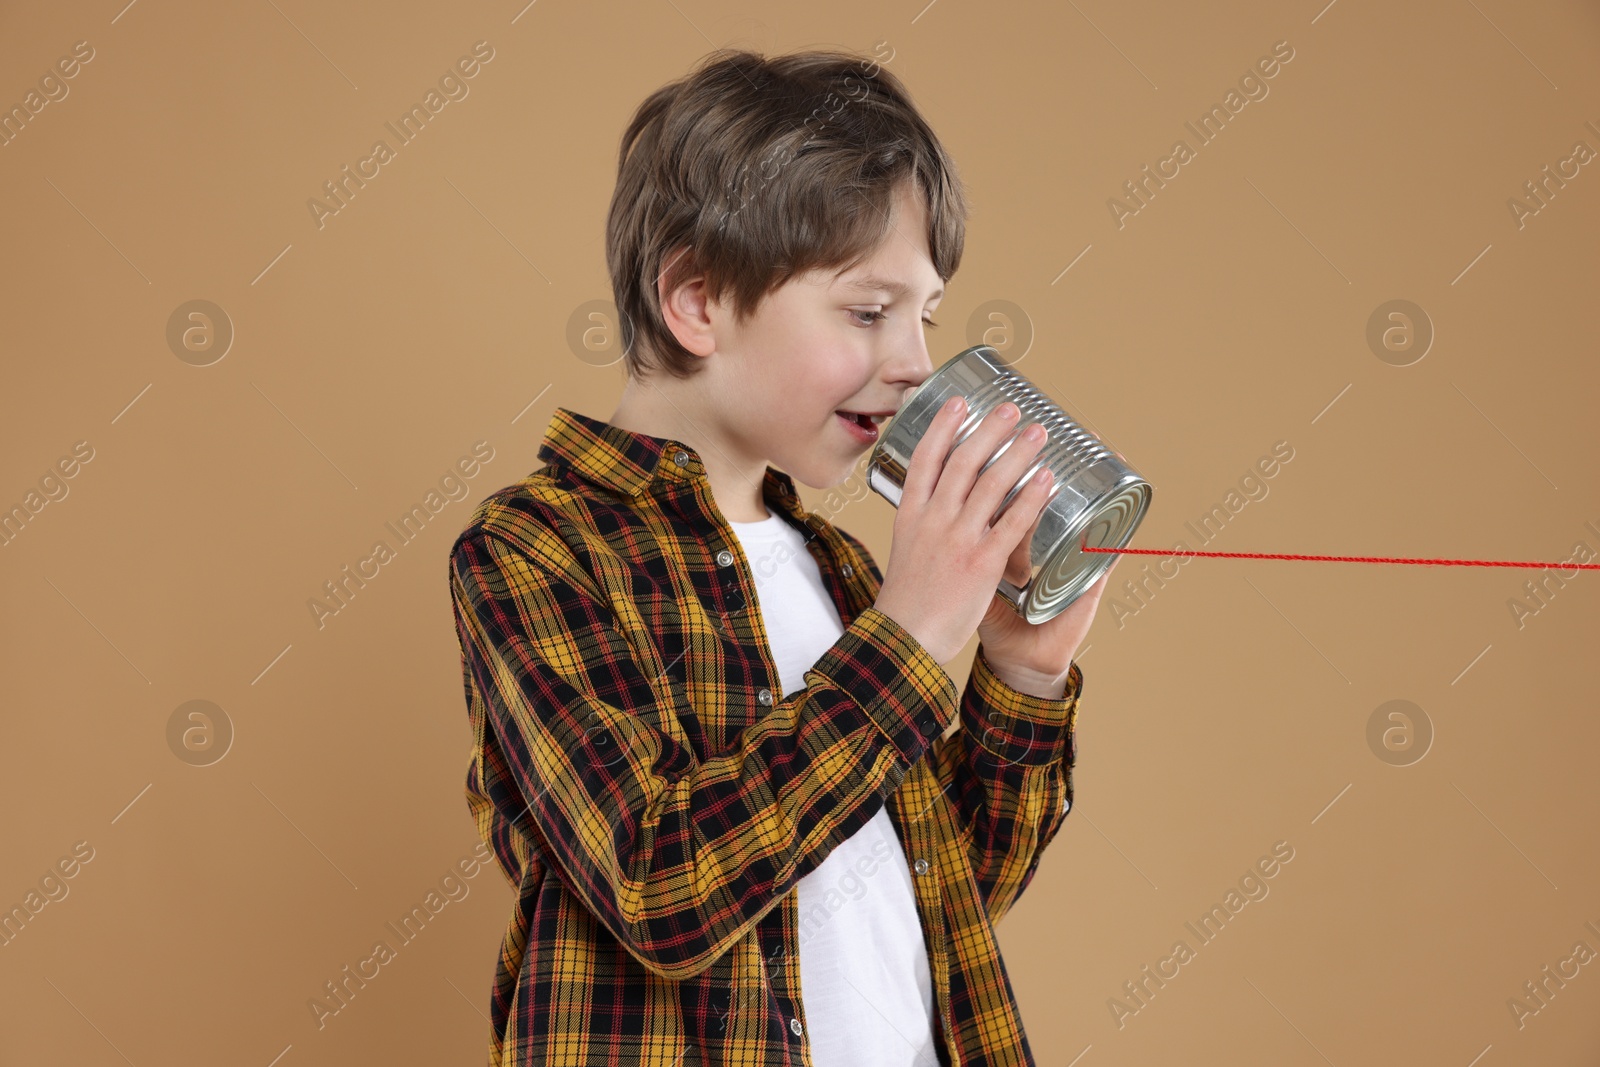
x: 913, y: 364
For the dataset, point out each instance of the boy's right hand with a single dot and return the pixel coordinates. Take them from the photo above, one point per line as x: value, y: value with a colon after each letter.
x: 947, y: 560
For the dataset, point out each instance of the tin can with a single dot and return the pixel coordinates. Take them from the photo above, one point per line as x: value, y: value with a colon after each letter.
x: 1097, y: 499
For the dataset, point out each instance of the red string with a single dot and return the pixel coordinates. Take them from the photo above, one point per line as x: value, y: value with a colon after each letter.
x: 1083, y: 544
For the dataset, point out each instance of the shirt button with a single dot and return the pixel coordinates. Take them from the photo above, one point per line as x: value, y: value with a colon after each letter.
x: 794, y: 1024
x: 724, y: 558
x: 681, y: 458
x: 930, y: 727
x: 1066, y: 805
x: 848, y: 570
x: 764, y: 696
x: 921, y: 866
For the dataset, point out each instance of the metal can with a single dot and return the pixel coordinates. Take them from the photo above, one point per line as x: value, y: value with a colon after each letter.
x: 1097, y: 499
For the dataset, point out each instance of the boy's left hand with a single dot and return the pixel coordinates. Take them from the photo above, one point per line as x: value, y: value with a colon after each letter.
x: 1034, y: 658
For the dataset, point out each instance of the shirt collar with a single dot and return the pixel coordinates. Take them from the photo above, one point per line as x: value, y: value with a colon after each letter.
x: 636, y: 464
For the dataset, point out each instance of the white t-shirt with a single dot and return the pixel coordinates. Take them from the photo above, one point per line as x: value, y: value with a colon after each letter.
x: 866, y: 990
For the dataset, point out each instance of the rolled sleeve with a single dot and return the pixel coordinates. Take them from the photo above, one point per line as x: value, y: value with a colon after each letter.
x: 1017, y: 727
x: 898, y: 683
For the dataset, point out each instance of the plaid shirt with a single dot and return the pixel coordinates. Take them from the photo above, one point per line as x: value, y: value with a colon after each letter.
x: 653, y: 798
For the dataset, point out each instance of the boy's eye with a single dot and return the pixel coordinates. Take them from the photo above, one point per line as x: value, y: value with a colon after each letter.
x: 874, y: 316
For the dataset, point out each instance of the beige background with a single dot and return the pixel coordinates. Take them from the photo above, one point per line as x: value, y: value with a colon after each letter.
x: 1227, y: 713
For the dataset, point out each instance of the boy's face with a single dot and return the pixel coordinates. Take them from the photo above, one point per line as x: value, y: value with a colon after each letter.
x: 822, y: 343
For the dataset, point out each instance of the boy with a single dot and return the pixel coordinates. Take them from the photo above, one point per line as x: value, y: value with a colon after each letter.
x: 710, y: 747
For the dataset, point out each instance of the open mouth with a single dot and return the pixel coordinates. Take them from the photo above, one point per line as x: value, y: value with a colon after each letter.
x: 862, y: 426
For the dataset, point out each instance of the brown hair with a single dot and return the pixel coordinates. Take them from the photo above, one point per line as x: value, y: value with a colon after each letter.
x: 754, y: 169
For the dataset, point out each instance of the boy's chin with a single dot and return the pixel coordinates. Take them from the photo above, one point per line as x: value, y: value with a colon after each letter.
x: 841, y: 477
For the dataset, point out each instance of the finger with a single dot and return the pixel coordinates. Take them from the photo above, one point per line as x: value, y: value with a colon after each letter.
x: 972, y: 453
x: 1005, y: 476
x: 1020, y: 565
x: 1023, y: 513
x: 927, y: 458
x: 1019, y: 568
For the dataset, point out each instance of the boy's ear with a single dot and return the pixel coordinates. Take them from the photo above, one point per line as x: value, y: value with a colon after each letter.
x: 686, y: 311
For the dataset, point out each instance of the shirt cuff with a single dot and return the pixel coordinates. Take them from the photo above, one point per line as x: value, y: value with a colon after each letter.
x: 1017, y: 727
x: 902, y: 688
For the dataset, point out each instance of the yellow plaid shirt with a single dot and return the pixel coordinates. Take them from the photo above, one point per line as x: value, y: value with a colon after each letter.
x: 653, y: 798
